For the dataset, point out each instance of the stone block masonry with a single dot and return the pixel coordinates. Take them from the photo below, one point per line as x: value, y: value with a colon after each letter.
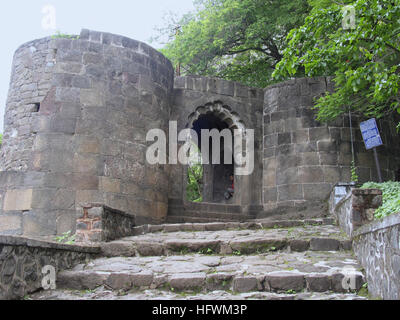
x: 235, y: 105
x: 77, y: 116
x: 100, y: 223
x: 22, y: 261
x: 377, y: 247
x: 78, y: 112
x: 304, y: 159
x: 376, y: 243
x: 357, y: 208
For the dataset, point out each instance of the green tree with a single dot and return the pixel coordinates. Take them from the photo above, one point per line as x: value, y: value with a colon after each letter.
x: 239, y: 40
x: 194, y: 185
x: 194, y: 175
x: 364, y: 60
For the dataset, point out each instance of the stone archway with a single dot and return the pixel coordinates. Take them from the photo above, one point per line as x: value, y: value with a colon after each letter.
x: 218, y: 116
x: 221, y: 111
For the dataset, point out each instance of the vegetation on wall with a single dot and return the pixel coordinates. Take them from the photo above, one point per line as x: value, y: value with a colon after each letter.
x: 60, y: 35
x: 390, y: 195
x: 364, y: 59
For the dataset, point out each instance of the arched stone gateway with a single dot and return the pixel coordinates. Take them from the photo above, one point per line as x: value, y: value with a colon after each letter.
x: 207, y: 103
x: 216, y: 173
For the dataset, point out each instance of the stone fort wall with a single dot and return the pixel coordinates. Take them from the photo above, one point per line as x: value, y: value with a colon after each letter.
x: 77, y: 116
x: 304, y: 159
x: 76, y: 121
x: 239, y: 106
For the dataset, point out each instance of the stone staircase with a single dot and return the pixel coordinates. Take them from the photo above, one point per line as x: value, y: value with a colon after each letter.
x: 206, y: 213
x: 215, y: 217
x: 268, y: 260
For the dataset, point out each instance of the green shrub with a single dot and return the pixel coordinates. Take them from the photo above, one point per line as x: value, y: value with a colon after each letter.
x: 194, y: 186
x: 390, y: 196
x: 195, y: 176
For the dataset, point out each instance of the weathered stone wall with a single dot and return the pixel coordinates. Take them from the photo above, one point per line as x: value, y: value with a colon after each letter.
x: 22, y: 260
x: 377, y: 247
x: 31, y: 76
x: 304, y: 159
x: 339, y: 193
x: 375, y: 243
x: 77, y: 116
x: 98, y: 97
x: 357, y: 208
x: 233, y: 103
x: 101, y: 223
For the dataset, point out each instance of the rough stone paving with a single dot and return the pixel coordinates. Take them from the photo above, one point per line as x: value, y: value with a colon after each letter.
x: 194, y: 267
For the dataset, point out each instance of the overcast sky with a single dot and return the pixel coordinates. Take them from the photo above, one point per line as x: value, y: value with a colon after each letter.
x: 21, y: 21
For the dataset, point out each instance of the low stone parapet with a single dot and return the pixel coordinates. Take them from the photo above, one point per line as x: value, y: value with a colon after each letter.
x: 357, y: 208
x: 101, y: 223
x: 377, y: 247
x: 376, y: 243
x: 27, y: 265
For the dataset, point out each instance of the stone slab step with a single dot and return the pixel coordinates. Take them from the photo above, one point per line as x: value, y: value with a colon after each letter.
x: 189, y: 219
x: 134, y: 248
x: 227, y: 225
x: 212, y: 215
x: 279, y: 273
x: 104, y: 294
x: 228, y: 242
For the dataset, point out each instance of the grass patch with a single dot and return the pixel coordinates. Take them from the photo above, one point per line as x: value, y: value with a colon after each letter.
x: 291, y: 291
x: 206, y: 251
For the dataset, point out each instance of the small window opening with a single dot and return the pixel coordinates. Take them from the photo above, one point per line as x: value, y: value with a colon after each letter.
x: 36, y: 107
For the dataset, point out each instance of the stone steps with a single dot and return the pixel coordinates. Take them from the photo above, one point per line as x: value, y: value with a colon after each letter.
x: 190, y: 219
x: 132, y: 248
x: 227, y: 225
x: 273, y: 260
x: 276, y: 273
x: 103, y: 293
x: 207, y: 217
x: 230, y: 239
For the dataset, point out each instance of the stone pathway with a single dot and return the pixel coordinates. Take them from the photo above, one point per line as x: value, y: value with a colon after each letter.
x: 233, y: 241
x: 302, y: 262
x: 104, y: 294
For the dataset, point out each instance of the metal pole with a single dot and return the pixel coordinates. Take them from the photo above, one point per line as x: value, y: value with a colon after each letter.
x: 351, y: 138
x: 378, y: 167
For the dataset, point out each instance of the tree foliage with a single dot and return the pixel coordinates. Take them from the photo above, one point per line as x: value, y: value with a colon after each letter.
x: 194, y: 184
x: 194, y: 187
x: 364, y: 61
x: 239, y: 40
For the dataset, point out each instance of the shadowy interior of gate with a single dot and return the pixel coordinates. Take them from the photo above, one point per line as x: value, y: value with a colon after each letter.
x: 216, y: 177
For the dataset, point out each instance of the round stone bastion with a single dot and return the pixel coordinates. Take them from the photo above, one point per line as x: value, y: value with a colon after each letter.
x: 76, y: 120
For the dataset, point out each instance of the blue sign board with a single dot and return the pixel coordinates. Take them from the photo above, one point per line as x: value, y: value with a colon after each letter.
x: 370, y: 133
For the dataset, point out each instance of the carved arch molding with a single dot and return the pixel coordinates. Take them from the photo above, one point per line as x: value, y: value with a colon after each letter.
x: 221, y: 111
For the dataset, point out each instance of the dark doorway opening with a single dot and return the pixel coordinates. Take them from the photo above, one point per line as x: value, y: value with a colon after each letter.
x: 216, y: 177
